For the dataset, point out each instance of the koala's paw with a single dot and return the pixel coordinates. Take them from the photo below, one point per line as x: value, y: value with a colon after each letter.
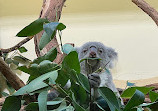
x: 94, y: 80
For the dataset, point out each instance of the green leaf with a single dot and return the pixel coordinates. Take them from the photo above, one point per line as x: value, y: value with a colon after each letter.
x: 37, y: 83
x: 130, y: 91
x: 45, y: 39
x: 12, y: 102
x: 69, y: 63
x: 137, y: 99
x: 42, y: 101
x: 79, y: 92
x: 76, y: 105
x: 84, y: 82
x: 36, y: 70
x: 153, y: 106
x: 99, y: 107
x: 90, y: 59
x: 50, y: 31
x: 110, y: 98
x: 63, y: 107
x: 61, y: 26
x: 153, y: 96
x: 55, y: 101
x: 22, y: 60
x: 33, y: 28
x: 8, y: 61
x: 10, y: 88
x: 32, y: 107
x: 51, y: 55
x: 51, y: 28
x: 22, y: 49
x: 4, y: 94
x: 67, y: 48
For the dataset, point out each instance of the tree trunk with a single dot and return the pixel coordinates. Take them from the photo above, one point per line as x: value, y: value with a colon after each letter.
x: 51, y: 10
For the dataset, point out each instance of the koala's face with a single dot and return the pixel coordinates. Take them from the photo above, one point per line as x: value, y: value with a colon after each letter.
x: 92, y: 50
x: 96, y: 50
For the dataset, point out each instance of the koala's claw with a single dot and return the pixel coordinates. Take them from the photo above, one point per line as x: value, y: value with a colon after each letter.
x: 94, y: 80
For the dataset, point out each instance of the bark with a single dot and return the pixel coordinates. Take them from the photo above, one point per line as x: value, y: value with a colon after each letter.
x: 147, y: 9
x: 51, y: 10
x: 12, y: 78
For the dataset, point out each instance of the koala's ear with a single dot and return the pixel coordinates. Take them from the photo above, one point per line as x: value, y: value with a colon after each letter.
x: 112, y: 56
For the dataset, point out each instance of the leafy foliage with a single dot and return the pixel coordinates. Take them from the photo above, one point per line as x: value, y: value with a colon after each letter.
x: 33, y: 28
x: 46, y: 75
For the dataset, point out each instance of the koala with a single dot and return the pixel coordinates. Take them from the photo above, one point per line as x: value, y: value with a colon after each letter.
x: 89, y: 67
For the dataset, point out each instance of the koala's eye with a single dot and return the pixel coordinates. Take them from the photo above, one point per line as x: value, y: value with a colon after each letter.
x: 100, y: 51
x: 85, y: 50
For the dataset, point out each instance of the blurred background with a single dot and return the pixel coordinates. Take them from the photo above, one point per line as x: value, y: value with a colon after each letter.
x: 119, y: 24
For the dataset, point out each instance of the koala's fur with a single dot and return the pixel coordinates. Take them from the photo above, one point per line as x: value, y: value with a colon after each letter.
x: 108, y: 57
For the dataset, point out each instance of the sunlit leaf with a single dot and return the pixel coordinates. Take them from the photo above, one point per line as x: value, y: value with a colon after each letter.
x: 22, y: 49
x: 37, y: 83
x: 33, y: 28
x: 42, y: 101
x: 137, y: 99
x: 67, y: 48
x: 130, y: 91
x: 51, y: 55
x: 110, y: 98
x: 153, y: 96
x: 45, y: 39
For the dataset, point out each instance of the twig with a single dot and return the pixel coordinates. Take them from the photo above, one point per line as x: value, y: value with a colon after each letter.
x: 147, y: 9
x: 16, y: 46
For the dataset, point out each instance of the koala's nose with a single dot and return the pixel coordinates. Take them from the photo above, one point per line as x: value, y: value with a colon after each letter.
x: 92, y: 54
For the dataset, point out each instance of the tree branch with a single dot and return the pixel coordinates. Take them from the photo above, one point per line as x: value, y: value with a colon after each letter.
x: 147, y: 9
x: 16, y: 46
x: 12, y: 78
x: 51, y: 10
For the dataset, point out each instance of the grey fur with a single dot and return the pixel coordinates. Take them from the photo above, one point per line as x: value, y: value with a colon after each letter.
x: 108, y: 57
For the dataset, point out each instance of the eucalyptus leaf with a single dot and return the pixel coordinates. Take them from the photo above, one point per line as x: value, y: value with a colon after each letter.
x: 50, y: 28
x: 50, y: 31
x: 37, y: 83
x: 79, y: 92
x: 22, y: 60
x: 42, y: 101
x: 22, y: 49
x: 32, y: 107
x: 90, y: 59
x: 51, y: 55
x: 153, y: 96
x: 110, y: 98
x: 33, y: 28
x: 137, y: 99
x: 130, y: 91
x: 67, y: 48
x: 84, y: 82
x: 76, y: 105
x: 8, y: 60
x: 69, y: 63
x: 45, y: 39
x: 11, y: 102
